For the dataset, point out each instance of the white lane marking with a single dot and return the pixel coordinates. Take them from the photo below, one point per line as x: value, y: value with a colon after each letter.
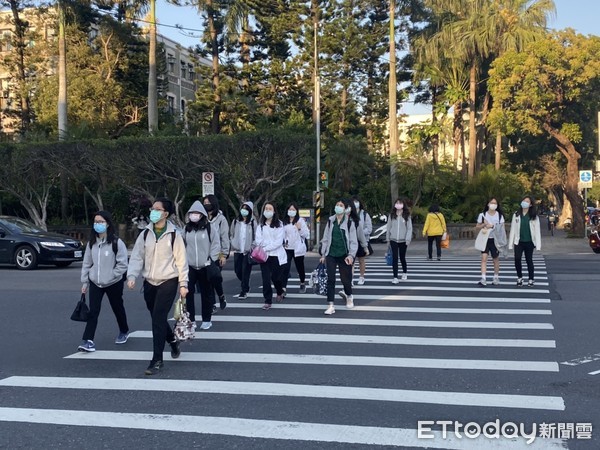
x: 420, y: 298
x: 263, y: 429
x: 490, y: 289
x: 331, y: 360
x: 407, y: 309
x: 387, y: 323
x: 582, y: 360
x: 439, y: 275
x: 370, y: 339
x: 595, y: 372
x: 294, y: 390
x: 427, y: 278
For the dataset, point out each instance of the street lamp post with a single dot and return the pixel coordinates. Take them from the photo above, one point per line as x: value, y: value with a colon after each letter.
x: 317, y: 120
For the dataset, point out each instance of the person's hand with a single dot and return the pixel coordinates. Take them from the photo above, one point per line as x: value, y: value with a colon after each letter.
x: 84, y: 289
x: 222, y: 260
x: 130, y: 284
x: 183, y: 291
x: 349, y: 260
x: 298, y: 225
x: 322, y: 260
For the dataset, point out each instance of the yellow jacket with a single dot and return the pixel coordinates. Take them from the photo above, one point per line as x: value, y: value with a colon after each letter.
x: 435, y: 224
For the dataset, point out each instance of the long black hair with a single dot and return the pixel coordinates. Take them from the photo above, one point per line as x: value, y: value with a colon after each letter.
x: 405, y: 209
x: 275, y: 222
x: 353, y: 214
x: 111, y: 234
x: 498, y: 209
x: 532, y: 212
x: 214, y: 201
x: 293, y: 220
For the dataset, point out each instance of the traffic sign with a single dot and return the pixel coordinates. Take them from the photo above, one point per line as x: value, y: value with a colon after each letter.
x: 585, y: 179
x: 208, y: 183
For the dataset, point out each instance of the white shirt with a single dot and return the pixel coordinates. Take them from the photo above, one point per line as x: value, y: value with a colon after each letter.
x: 492, y: 220
x: 243, y: 235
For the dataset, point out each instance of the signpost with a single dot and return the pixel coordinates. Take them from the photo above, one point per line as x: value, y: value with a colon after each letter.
x: 585, y: 183
x: 208, y: 183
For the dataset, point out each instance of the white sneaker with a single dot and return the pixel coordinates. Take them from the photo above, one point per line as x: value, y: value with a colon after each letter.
x: 530, y: 283
x: 329, y: 311
x: 496, y: 280
x: 361, y: 281
x: 349, y: 302
x: 395, y: 281
x: 205, y: 325
x: 404, y: 277
x: 193, y: 326
x: 482, y: 282
x: 344, y: 296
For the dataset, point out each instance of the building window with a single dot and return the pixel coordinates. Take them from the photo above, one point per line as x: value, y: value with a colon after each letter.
x: 5, y: 42
x: 171, y: 61
x: 171, y: 104
x: 183, y: 70
x: 191, y: 72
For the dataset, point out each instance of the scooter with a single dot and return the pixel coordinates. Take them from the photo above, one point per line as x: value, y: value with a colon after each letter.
x: 594, y: 241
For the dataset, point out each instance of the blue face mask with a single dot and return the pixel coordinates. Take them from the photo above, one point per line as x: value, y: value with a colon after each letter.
x: 244, y: 212
x: 339, y: 209
x: 155, y: 216
x: 525, y: 205
x: 100, y: 228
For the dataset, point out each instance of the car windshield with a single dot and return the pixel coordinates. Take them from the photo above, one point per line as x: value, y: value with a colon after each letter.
x: 16, y: 225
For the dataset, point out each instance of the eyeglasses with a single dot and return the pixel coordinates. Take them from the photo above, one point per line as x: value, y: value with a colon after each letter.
x: 156, y: 209
x: 99, y: 222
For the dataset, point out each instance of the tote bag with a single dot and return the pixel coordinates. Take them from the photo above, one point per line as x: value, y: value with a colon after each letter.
x: 481, y: 240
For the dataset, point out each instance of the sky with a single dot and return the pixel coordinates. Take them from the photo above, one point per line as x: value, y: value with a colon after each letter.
x: 581, y: 15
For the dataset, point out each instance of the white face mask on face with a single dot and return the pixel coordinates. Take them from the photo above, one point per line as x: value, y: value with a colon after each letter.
x: 194, y: 217
x: 268, y: 214
x: 291, y: 213
x: 492, y: 206
x: 399, y: 206
x: 357, y: 205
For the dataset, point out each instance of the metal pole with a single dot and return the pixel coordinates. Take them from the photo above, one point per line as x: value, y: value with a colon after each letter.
x: 585, y: 225
x: 317, y: 102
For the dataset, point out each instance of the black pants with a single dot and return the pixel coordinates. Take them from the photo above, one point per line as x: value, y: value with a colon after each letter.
x: 271, y: 271
x: 114, y: 292
x: 398, y: 248
x: 299, y: 261
x: 438, y: 245
x: 345, y: 276
x: 216, y: 287
x: 243, y: 270
x: 198, y: 283
x: 527, y: 248
x: 159, y: 300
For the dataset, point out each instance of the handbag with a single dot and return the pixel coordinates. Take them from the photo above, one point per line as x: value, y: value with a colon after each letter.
x: 81, y: 311
x: 481, y: 240
x: 388, y: 256
x: 445, y: 243
x: 179, y: 308
x: 318, y: 280
x: 258, y: 255
x: 183, y: 329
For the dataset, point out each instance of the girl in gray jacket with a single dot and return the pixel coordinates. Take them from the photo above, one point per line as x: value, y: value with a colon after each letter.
x: 399, y: 234
x: 102, y: 272
x: 242, y: 232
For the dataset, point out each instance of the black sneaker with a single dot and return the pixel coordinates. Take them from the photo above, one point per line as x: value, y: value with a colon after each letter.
x: 214, y: 309
x: 519, y: 281
x: 154, y: 367
x: 222, y: 302
x: 302, y: 288
x: 243, y: 296
x: 175, y: 350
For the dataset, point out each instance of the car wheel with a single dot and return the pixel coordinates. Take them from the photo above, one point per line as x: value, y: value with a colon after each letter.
x: 63, y: 263
x: 26, y: 258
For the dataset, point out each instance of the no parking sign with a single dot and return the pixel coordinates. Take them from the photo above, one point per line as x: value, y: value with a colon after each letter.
x: 208, y: 183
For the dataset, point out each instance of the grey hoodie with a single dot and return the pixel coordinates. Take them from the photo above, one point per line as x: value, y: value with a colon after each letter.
x: 100, y: 264
x: 219, y: 222
x: 399, y: 229
x: 235, y: 232
x: 201, y: 248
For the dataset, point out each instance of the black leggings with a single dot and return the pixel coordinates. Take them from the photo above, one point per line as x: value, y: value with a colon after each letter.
x: 527, y: 248
x: 299, y: 261
x: 398, y: 248
x: 271, y: 272
x: 345, y: 276
x: 438, y: 245
x: 114, y: 292
x: 159, y: 300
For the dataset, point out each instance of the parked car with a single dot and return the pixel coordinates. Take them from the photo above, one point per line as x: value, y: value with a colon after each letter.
x: 26, y: 245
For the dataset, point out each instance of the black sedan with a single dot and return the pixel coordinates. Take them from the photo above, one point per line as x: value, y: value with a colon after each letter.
x: 25, y: 245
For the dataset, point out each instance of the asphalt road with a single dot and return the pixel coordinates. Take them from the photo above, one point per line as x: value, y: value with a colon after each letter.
x: 435, y: 348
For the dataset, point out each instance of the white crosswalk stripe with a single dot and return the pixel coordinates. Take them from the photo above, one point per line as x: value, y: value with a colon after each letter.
x: 434, y: 340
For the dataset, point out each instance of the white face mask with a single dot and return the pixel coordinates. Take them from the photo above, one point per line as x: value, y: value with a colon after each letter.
x: 291, y: 213
x: 357, y: 205
x: 268, y: 214
x: 194, y: 217
x: 399, y: 205
x: 492, y: 206
x: 348, y: 210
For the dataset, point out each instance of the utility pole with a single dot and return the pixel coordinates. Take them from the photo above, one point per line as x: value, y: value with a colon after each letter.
x: 393, y: 119
x: 317, y: 119
x: 152, y: 85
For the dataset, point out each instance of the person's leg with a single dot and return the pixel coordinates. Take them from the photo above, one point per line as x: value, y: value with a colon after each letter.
x: 394, y: 247
x: 331, y: 266
x: 285, y: 269
x: 438, y: 246
x: 95, y: 295
x: 484, y: 258
x: 114, y: 293
x: 430, y: 247
x: 164, y: 296
x: 299, y: 262
x: 362, y: 264
x: 518, y: 260
x: 529, y: 247
x: 238, y: 259
x: 190, y: 301
x: 205, y: 289
x: 277, y: 274
x: 246, y: 272
x: 267, y: 289
x: 345, y: 275
x: 402, y: 250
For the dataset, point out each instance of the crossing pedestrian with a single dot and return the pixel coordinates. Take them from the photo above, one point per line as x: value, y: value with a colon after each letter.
x: 366, y: 226
x: 296, y: 233
x: 241, y: 234
x: 399, y: 235
x: 102, y: 272
x: 434, y: 229
x: 218, y: 221
x: 270, y: 236
x: 491, y: 220
x: 202, y: 246
x: 338, y: 250
x: 525, y: 235
x: 159, y: 255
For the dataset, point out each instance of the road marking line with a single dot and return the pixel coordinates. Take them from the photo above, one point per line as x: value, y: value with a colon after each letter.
x: 582, y: 360
x: 294, y: 390
x: 490, y: 289
x: 387, y: 323
x: 358, y: 339
x: 370, y: 280
x: 331, y: 360
x: 595, y: 372
x: 263, y: 429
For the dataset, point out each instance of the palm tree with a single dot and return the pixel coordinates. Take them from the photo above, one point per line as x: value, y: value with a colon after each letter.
x: 62, y: 72
x: 393, y: 114
x: 152, y: 85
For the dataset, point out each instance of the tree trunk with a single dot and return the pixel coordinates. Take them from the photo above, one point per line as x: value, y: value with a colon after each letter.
x: 369, y: 113
x: 245, y: 51
x: 20, y: 30
x: 344, y: 103
x: 472, y: 111
x: 457, y: 131
x: 435, y: 139
x: 152, y: 85
x: 498, y: 150
x: 62, y: 75
x: 393, y: 115
x: 215, y: 123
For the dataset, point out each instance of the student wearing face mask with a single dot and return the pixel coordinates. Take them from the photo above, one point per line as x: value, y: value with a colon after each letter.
x: 399, y: 235
x: 338, y: 250
x: 242, y: 232
x: 366, y: 227
x: 296, y: 233
x: 202, y: 251
x: 526, y: 236
x: 102, y: 271
x: 219, y: 222
x: 270, y: 236
x: 159, y: 255
x: 491, y: 219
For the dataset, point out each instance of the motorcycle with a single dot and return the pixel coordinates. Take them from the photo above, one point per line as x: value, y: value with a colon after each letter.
x: 594, y: 240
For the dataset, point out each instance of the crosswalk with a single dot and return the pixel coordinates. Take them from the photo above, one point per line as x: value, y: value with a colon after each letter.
x: 435, y: 347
